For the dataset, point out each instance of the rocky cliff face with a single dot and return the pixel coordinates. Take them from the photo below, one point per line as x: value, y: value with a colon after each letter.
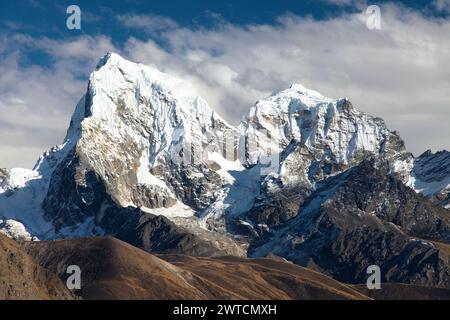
x: 142, y: 140
x: 431, y: 176
x: 320, y: 135
x: 309, y: 138
x: 3, y: 174
x: 147, y: 160
x: 361, y: 217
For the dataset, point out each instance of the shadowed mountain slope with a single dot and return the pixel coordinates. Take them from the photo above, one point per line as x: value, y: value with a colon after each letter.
x: 366, y: 217
x: 112, y: 269
x: 399, y: 291
x: 23, y: 279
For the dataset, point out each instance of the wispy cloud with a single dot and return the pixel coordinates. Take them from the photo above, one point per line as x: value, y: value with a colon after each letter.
x: 36, y: 102
x: 441, y: 5
x: 147, y: 23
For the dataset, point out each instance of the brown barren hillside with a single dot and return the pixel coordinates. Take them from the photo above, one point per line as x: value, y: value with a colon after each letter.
x: 21, y: 278
x: 112, y: 269
x: 264, y: 278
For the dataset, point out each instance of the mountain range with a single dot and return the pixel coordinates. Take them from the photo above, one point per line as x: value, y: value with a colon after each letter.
x: 303, y: 177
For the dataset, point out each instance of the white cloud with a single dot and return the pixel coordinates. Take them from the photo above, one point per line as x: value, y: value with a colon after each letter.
x: 340, y: 2
x: 441, y: 5
x: 400, y: 73
x: 35, y: 102
x: 357, y: 4
x: 147, y: 23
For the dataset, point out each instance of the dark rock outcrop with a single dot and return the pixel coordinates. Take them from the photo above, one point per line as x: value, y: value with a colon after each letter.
x: 157, y: 234
x: 3, y: 174
x: 361, y: 217
x: 433, y: 172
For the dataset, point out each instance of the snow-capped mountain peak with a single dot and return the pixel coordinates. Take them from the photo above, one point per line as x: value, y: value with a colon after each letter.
x: 298, y: 88
x: 331, y: 131
x: 133, y: 130
x: 142, y: 139
x: 306, y: 177
x: 138, y: 120
x: 115, y: 75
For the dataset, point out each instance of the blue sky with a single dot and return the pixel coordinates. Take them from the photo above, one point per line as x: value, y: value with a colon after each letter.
x: 47, y: 17
x: 234, y: 52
